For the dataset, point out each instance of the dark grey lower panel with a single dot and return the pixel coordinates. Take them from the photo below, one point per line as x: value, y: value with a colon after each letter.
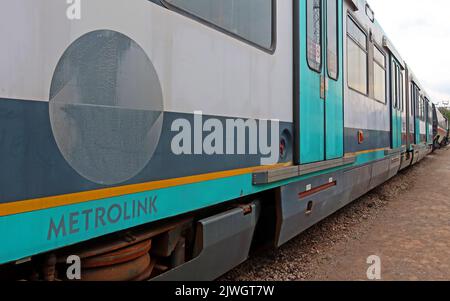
x: 394, y: 165
x: 225, y: 239
x: 384, y: 170
x: 415, y: 158
x: 358, y: 181
x: 297, y: 213
x: 420, y: 152
x: 380, y: 173
x: 406, y: 160
x: 373, y: 139
x: 223, y: 242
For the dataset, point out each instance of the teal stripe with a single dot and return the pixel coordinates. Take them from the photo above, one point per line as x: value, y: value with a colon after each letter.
x: 26, y: 234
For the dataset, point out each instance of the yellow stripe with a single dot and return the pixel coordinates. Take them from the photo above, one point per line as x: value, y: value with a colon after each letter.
x: 92, y: 195
x: 367, y: 151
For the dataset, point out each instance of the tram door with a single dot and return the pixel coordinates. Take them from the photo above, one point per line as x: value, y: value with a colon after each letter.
x: 319, y: 74
x: 397, y: 104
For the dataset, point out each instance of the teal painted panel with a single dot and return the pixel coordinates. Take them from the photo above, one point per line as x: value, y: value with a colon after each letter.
x: 312, y: 108
x: 367, y: 158
x: 399, y: 128
x: 31, y: 233
x: 334, y: 104
x: 28, y: 234
x: 396, y: 114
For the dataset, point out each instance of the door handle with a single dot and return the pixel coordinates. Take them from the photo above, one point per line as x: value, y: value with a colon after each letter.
x: 323, y: 87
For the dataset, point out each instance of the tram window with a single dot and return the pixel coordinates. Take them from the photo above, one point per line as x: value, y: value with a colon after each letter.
x: 412, y: 99
x: 356, y: 57
x: 250, y: 20
x: 394, y: 86
x: 402, y: 106
x: 421, y: 108
x: 429, y: 111
x: 397, y: 101
x: 379, y: 75
x: 332, y: 44
x: 417, y: 101
x: 397, y: 88
x: 314, y: 33
x: 358, y: 35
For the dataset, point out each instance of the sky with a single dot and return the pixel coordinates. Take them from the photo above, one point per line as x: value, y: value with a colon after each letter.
x: 420, y: 31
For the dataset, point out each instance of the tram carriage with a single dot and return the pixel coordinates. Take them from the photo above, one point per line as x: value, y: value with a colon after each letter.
x: 96, y: 112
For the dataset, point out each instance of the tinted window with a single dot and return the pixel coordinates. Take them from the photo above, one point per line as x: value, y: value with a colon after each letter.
x: 417, y: 101
x: 400, y: 88
x: 394, y: 86
x: 313, y: 33
x: 332, y: 45
x: 248, y: 19
x: 429, y: 111
x: 379, y: 83
x: 397, y: 87
x: 379, y: 75
x: 401, y: 92
x: 412, y: 98
x: 421, y: 109
x: 356, y: 57
x: 356, y: 33
x: 379, y: 57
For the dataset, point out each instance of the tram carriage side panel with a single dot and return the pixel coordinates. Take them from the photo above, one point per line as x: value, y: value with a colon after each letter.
x: 91, y: 109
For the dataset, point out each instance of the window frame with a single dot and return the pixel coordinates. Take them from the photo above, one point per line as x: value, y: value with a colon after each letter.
x: 394, y: 82
x: 427, y: 119
x: 336, y: 78
x: 271, y: 50
x: 419, y: 108
x: 422, y: 108
x: 319, y: 70
x: 398, y: 79
x: 416, y: 101
x: 401, y: 90
x: 366, y: 51
x: 379, y: 48
x: 412, y: 99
